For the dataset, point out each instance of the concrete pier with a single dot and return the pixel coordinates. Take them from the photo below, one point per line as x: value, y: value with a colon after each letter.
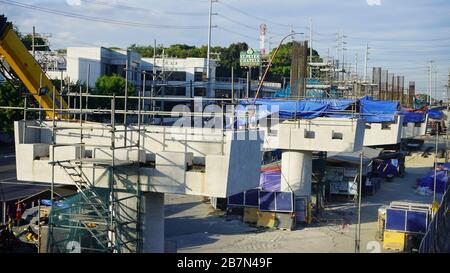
x: 296, y: 171
x: 153, y: 222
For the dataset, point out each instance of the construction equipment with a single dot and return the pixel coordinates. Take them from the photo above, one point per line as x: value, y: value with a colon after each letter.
x: 26, y: 68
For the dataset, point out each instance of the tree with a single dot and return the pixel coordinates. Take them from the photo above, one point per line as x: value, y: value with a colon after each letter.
x: 9, y: 96
x: 281, y: 65
x: 39, y: 42
x: 109, y: 85
x: 229, y: 57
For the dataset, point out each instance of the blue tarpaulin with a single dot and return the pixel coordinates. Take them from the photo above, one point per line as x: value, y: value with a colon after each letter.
x: 333, y: 104
x: 286, y: 108
x: 308, y: 109
x: 442, y: 179
x: 435, y: 114
x: 385, y: 168
x: 270, y: 181
x: 412, y: 116
x: 377, y: 110
x: 59, y: 204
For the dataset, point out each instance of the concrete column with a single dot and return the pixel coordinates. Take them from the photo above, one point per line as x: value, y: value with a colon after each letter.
x: 296, y: 172
x: 126, y: 213
x: 153, y: 222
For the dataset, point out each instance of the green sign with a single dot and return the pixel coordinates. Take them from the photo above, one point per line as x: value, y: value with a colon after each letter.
x: 250, y: 58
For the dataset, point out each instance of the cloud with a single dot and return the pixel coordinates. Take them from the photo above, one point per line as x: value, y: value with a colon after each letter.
x: 374, y: 2
x: 73, y: 2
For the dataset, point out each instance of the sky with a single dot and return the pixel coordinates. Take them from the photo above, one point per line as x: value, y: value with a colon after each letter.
x: 402, y: 35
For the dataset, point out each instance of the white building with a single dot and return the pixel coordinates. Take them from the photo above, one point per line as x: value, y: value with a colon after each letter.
x: 87, y: 64
x: 174, y: 76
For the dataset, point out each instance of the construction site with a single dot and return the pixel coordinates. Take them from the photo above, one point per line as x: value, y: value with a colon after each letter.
x: 109, y: 150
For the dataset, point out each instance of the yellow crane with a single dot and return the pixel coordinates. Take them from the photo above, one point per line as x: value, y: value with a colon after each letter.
x: 14, y: 52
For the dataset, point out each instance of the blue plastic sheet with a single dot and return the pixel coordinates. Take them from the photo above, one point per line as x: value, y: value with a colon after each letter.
x: 267, y: 201
x: 428, y: 180
x: 333, y: 104
x: 252, y: 198
x: 412, y: 116
x: 236, y: 199
x: 385, y: 168
x: 284, y: 201
x: 435, y: 114
x: 416, y: 221
x: 396, y: 219
x: 377, y: 110
x: 270, y: 181
x: 307, y: 109
x: 58, y: 204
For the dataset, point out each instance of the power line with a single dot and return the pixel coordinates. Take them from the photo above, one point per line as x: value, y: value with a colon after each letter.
x: 237, y: 22
x: 142, y: 9
x: 261, y: 19
x: 237, y: 33
x: 97, y: 19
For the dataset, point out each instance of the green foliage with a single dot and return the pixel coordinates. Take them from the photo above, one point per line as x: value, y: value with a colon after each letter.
x: 9, y: 96
x: 228, y: 58
x: 281, y: 65
x: 27, y: 40
x: 176, y: 50
x: 109, y: 85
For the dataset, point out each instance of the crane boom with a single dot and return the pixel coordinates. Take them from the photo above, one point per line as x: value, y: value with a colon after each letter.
x: 27, y: 69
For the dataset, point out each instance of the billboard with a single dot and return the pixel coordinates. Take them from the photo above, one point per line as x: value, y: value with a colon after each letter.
x: 250, y: 58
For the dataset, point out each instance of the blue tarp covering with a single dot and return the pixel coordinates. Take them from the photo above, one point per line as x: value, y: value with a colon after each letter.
x: 435, y: 114
x: 396, y: 219
x: 416, y: 221
x: 59, y: 204
x: 252, y: 198
x: 385, y: 168
x: 371, y: 110
x: 333, y: 104
x: 308, y: 109
x: 267, y: 201
x: 284, y: 201
x: 236, y: 199
x: 412, y: 116
x: 285, y: 108
x: 428, y: 180
x: 377, y: 110
x: 264, y: 200
x: 270, y: 181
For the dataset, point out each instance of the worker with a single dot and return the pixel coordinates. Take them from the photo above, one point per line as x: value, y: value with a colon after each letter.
x: 18, y: 213
x: 10, y: 223
x: 31, y: 235
x: 401, y: 164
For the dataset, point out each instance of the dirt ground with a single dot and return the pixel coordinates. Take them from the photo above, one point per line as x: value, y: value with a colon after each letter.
x: 193, y: 225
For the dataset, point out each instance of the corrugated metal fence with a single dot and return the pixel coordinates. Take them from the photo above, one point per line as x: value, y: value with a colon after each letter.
x: 437, y: 237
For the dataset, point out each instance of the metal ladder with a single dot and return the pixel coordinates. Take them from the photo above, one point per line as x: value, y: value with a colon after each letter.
x: 95, y: 216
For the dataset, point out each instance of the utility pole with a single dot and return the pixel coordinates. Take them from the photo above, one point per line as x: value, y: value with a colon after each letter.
x: 310, y: 47
x: 358, y: 225
x: 33, y: 41
x: 366, y: 58
x: 343, y: 55
x: 430, y: 68
x: 208, y: 57
x: 87, y: 86
x: 447, y: 125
